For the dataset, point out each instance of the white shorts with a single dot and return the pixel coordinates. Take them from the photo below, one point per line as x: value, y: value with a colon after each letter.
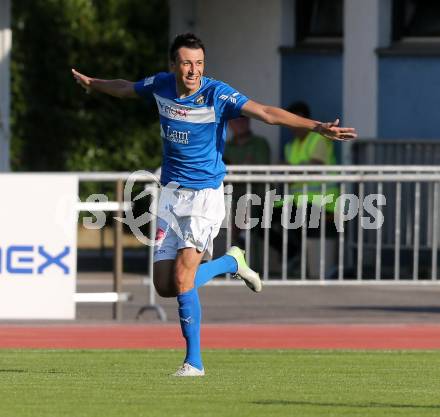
x: 188, y: 219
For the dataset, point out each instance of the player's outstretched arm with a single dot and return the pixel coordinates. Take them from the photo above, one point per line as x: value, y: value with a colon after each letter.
x: 115, y: 88
x: 276, y: 116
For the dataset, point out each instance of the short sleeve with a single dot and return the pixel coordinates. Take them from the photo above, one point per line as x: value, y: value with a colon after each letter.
x: 144, y: 87
x: 228, y: 101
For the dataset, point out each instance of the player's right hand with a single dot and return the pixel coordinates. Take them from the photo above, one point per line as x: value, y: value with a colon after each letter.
x: 332, y: 131
x: 82, y: 80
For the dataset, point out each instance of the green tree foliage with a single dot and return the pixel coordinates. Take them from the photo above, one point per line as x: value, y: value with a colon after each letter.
x: 55, y: 125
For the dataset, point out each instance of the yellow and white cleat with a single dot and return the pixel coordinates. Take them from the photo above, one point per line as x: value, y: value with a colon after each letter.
x: 249, y: 276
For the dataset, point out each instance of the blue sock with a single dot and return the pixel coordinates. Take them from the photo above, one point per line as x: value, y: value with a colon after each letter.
x: 207, y: 271
x: 190, y: 317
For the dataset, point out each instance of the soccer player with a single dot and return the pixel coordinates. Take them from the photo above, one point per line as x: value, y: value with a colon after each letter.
x: 194, y: 111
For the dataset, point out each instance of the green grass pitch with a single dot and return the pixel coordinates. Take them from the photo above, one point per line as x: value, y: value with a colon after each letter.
x: 135, y: 383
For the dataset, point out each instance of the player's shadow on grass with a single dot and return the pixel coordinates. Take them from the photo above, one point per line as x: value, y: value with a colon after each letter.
x: 13, y: 371
x: 357, y: 405
x: 22, y: 371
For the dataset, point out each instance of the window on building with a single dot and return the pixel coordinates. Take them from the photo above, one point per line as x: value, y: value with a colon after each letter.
x: 319, y: 21
x: 416, y: 20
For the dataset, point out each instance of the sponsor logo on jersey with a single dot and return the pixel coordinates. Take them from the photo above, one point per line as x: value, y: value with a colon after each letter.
x: 200, y: 99
x: 174, y: 111
x: 180, y: 112
x: 148, y: 81
x: 176, y: 136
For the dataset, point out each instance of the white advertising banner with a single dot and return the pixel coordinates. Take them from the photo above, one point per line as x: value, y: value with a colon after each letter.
x: 38, y: 227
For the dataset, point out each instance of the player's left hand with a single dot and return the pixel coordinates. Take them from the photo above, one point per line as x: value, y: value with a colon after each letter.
x: 332, y: 131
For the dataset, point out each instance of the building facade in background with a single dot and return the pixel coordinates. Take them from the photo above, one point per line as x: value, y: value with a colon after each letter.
x: 373, y: 63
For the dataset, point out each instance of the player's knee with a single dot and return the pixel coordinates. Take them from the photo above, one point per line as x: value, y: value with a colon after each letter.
x: 183, y: 279
x: 180, y: 283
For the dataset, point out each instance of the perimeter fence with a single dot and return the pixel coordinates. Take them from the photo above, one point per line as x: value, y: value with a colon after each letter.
x: 387, y: 222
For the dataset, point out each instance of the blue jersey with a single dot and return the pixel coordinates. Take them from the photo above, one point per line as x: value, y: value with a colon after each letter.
x: 193, y: 128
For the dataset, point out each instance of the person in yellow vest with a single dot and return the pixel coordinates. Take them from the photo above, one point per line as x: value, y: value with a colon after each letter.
x: 310, y: 148
x: 306, y: 148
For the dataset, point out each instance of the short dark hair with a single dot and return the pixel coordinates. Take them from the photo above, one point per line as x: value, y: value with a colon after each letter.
x: 187, y: 40
x: 299, y: 107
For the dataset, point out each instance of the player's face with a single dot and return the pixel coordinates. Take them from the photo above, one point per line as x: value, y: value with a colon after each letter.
x: 189, y: 67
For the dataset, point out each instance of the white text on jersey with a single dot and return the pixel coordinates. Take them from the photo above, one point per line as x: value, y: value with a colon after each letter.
x: 176, y: 136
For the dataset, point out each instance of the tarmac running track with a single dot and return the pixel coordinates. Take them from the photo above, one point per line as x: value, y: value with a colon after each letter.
x: 221, y: 336
x: 367, y: 317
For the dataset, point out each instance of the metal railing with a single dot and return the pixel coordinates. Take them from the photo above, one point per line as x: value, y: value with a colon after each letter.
x: 402, y: 187
x: 404, y: 250
x: 395, y: 152
x: 119, y: 207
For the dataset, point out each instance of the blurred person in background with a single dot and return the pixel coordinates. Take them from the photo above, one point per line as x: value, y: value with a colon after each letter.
x: 245, y: 148
x: 307, y: 148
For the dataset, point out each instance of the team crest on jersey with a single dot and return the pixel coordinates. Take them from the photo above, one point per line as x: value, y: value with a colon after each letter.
x: 200, y: 99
